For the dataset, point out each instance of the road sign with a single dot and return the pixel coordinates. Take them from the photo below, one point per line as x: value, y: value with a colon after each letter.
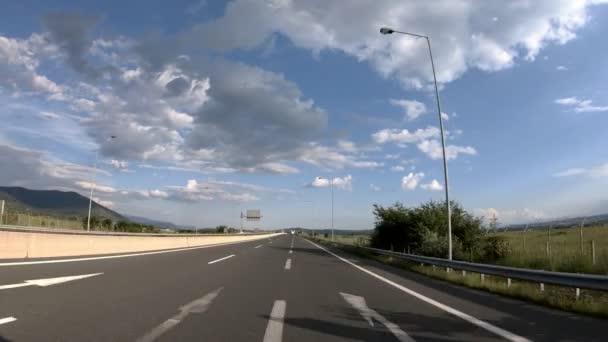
x: 253, y: 215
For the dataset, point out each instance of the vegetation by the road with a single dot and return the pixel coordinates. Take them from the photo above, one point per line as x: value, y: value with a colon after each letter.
x: 558, y: 249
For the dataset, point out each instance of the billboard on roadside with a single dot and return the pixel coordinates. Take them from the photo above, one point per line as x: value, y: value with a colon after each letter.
x: 253, y: 215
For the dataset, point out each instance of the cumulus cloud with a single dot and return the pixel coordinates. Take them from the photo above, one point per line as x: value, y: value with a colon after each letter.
x: 344, y: 183
x: 331, y: 158
x: 580, y: 106
x: 96, y: 187
x: 19, y: 61
x: 465, y: 39
x: 195, y: 191
x: 411, y: 108
x: 561, y: 68
x: 398, y: 168
x: 432, y: 148
x: 434, y: 185
x: 404, y: 136
x: 410, y: 182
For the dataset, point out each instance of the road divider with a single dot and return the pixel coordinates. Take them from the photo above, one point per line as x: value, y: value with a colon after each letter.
x: 45, y: 244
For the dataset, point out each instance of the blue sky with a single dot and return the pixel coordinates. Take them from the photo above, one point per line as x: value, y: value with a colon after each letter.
x: 219, y: 107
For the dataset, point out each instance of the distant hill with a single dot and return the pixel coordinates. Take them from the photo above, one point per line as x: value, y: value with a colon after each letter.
x: 53, y: 203
x: 601, y: 219
x: 157, y: 223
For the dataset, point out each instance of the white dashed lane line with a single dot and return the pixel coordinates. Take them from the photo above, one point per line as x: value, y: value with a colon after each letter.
x: 218, y: 260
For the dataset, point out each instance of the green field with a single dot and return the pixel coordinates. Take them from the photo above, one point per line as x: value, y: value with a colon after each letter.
x: 19, y: 219
x: 559, y: 249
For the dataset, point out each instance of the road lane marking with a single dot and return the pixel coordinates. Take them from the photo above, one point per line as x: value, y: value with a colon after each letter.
x: 21, y: 263
x: 274, y: 329
x: 7, y: 320
x: 220, y: 259
x: 48, y: 281
x: 196, y: 306
x: 369, y: 314
x: 290, y: 251
x: 288, y: 264
x: 258, y: 246
x: 482, y: 324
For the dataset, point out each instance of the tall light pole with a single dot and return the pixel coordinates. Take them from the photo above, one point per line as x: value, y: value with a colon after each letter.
x: 93, y: 185
x: 386, y: 30
x: 331, y: 185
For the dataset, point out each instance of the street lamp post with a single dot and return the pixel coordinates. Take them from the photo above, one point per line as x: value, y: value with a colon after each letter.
x: 386, y: 30
x: 93, y: 186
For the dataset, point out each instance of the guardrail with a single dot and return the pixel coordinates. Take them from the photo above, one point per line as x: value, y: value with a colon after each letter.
x: 13, y: 228
x: 575, y: 280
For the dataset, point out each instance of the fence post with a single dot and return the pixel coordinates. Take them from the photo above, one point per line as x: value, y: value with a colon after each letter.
x: 547, y: 249
x: 578, y: 293
x: 581, y: 237
x: 2, y: 212
x: 542, y: 287
x: 508, y: 282
x: 464, y: 273
x: 482, y: 277
x: 593, y: 251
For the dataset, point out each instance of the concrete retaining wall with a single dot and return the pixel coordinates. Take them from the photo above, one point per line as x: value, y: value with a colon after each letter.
x: 19, y: 244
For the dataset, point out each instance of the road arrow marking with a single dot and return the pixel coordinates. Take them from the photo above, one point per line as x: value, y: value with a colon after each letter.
x: 196, y: 306
x: 369, y: 315
x: 48, y: 281
x: 7, y: 320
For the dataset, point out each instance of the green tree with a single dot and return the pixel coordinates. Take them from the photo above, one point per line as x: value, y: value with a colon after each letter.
x: 106, y: 223
x: 221, y: 229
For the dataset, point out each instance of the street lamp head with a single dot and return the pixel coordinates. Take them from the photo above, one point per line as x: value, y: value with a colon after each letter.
x: 386, y: 30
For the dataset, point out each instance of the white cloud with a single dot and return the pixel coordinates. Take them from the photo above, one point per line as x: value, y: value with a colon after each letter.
x: 392, y: 156
x: 596, y: 171
x: 398, y: 168
x: 347, y: 146
x: 510, y: 216
x: 432, y: 148
x: 375, y: 188
x: 49, y: 115
x: 105, y: 203
x: 119, y: 164
x: 580, y: 106
x: 96, y: 187
x: 468, y: 36
x: 410, y: 182
x: 445, y: 116
x: 561, y: 68
x: 433, y: 186
x: 344, y: 183
x: 412, y: 108
x: 404, y: 136
x: 329, y: 158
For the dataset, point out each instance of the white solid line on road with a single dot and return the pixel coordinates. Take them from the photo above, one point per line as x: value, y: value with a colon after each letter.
x: 48, y: 281
x: 196, y: 306
x: 21, y: 263
x: 7, y: 320
x: 218, y: 260
x: 288, y: 264
x: 482, y: 324
x: 369, y: 314
x: 290, y: 251
x: 274, y: 329
x: 258, y: 246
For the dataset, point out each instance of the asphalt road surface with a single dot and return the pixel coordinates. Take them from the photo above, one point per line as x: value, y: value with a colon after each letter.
x: 280, y: 289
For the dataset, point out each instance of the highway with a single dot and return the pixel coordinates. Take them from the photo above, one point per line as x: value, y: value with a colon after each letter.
x: 280, y: 289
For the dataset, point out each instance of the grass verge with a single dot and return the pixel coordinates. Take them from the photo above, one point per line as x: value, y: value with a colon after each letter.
x: 590, y: 302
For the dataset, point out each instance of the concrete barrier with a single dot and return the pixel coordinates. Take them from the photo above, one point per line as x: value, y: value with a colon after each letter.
x: 44, y: 244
